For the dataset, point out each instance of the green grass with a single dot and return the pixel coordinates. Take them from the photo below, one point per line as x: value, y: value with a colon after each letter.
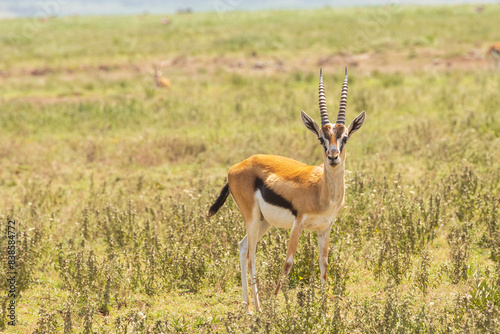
x: 111, y: 179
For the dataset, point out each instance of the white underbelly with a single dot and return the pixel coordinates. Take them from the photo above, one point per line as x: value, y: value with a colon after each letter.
x: 281, y: 217
x: 275, y: 215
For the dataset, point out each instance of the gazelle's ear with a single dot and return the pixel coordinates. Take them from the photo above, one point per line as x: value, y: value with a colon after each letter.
x: 356, y: 123
x: 309, y: 123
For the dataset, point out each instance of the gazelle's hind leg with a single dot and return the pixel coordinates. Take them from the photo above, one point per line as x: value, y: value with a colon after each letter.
x: 243, y: 264
x: 246, y: 255
x: 252, y: 249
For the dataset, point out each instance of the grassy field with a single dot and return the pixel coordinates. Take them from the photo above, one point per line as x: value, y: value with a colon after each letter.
x: 109, y: 179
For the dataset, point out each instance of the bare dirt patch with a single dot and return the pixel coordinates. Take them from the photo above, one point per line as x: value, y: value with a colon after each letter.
x: 408, y: 61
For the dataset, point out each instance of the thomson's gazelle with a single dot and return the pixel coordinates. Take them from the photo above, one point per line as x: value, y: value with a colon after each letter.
x: 276, y: 191
x: 494, y: 53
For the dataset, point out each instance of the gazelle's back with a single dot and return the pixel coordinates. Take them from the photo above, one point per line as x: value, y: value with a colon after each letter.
x: 263, y: 166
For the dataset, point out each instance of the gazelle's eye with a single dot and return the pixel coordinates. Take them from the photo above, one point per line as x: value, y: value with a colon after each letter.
x: 344, y: 140
x: 322, y: 141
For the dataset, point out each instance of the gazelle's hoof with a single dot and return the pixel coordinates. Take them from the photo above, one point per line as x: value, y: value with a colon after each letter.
x: 247, y: 309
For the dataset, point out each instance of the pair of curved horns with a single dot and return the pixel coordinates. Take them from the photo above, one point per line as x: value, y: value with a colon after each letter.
x: 322, y: 101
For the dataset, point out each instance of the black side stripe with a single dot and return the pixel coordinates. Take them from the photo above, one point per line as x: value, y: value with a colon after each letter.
x: 273, y: 198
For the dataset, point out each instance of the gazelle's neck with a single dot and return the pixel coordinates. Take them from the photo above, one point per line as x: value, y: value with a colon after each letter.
x: 333, y: 184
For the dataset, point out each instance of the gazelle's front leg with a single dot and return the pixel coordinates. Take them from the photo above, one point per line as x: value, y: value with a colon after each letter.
x: 323, y: 240
x: 292, y: 248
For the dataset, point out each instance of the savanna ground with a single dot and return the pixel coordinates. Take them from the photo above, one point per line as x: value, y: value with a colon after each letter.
x: 109, y: 179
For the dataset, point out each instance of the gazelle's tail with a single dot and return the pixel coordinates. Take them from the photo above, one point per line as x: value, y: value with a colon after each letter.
x: 220, y: 201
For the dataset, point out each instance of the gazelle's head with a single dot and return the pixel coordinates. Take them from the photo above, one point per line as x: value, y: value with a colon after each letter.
x: 333, y: 137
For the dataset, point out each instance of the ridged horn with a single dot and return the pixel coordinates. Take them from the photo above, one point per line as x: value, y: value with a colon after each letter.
x: 322, y: 100
x: 343, y: 101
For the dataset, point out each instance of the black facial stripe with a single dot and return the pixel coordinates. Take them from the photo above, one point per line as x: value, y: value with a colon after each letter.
x: 273, y: 198
x: 322, y: 142
x: 343, y: 143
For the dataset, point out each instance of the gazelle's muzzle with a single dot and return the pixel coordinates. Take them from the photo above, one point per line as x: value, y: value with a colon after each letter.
x: 333, y: 155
